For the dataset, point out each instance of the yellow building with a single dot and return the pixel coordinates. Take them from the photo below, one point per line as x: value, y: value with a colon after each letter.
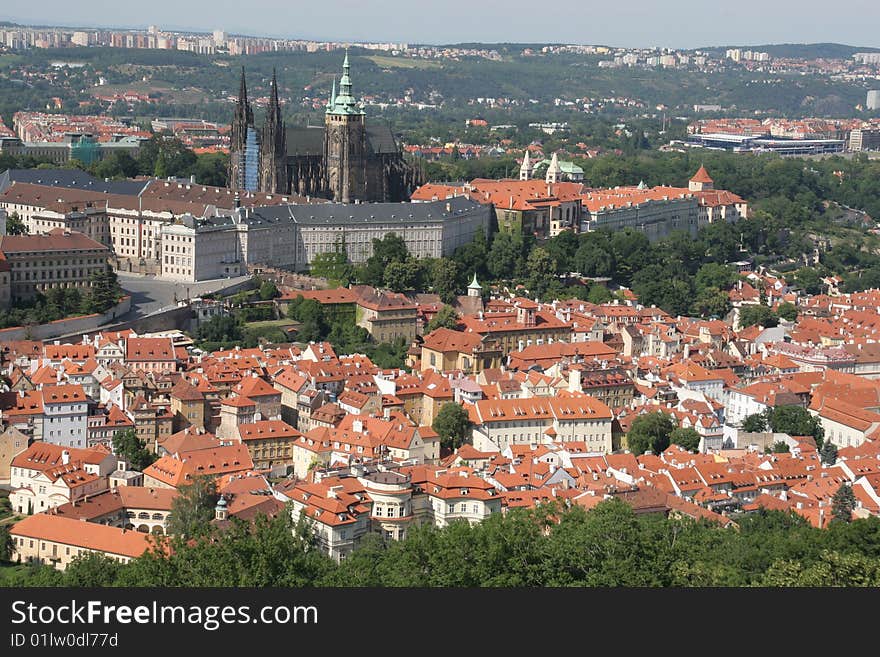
x: 270, y: 443
x: 446, y: 350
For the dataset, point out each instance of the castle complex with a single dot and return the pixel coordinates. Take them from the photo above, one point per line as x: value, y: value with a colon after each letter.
x: 345, y: 160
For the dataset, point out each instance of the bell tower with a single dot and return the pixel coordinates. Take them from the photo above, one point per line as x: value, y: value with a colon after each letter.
x: 345, y: 143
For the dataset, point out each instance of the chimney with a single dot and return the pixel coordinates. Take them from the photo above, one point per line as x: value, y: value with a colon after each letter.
x: 65, y: 457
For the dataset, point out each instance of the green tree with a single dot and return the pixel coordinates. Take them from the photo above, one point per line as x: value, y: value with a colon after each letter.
x: 541, y: 270
x: 128, y: 446
x: 591, y: 259
x: 389, y: 249
x: 332, y: 265
x: 444, y: 279
x: 220, y: 328
x: 808, y: 280
x: 688, y: 438
x: 445, y: 317
x: 404, y: 275
x: 193, y: 509
x: 757, y: 315
x: 92, y: 569
x: 118, y: 165
x: 828, y: 453
x: 562, y: 249
x: 211, y: 169
x: 6, y: 545
x: 15, y: 225
x: 711, y: 302
x: 104, y: 291
x: 832, y: 569
x: 796, y: 421
x: 599, y: 294
x: 268, y: 290
x: 843, y: 504
x: 472, y: 257
x: 755, y: 423
x: 787, y: 311
x: 650, y: 431
x: 713, y: 275
x: 505, y: 256
x: 779, y: 447
x: 453, y: 425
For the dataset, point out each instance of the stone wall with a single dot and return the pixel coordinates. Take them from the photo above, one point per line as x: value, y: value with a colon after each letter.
x: 69, y: 326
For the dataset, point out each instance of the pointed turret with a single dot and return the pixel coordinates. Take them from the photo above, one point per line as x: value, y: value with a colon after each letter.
x: 273, y: 146
x: 642, y: 185
x: 525, y: 171
x: 475, y: 289
x: 554, y: 171
x: 242, y: 122
x: 242, y: 89
x: 701, y: 181
x: 344, y: 103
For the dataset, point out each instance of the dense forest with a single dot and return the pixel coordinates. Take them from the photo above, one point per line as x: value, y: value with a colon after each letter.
x: 607, y: 546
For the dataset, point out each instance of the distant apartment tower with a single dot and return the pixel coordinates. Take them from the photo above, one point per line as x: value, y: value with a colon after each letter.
x: 867, y: 57
x: 873, y: 101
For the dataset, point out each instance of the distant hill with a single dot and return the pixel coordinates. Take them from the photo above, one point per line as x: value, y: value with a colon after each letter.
x: 801, y: 50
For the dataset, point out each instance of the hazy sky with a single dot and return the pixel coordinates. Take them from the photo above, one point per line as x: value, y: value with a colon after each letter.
x: 669, y: 23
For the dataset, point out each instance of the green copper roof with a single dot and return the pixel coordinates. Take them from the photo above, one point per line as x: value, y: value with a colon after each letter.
x: 564, y: 166
x: 344, y: 103
x: 474, y: 283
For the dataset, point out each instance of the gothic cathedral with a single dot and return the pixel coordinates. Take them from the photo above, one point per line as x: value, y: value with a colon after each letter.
x: 345, y: 160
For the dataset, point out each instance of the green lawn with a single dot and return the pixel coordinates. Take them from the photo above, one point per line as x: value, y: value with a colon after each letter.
x: 403, y: 62
x: 271, y: 323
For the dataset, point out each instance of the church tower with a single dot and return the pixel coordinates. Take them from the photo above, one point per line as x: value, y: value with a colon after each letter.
x: 554, y: 171
x: 701, y: 181
x: 242, y: 171
x: 525, y: 171
x: 345, y: 143
x: 273, y: 147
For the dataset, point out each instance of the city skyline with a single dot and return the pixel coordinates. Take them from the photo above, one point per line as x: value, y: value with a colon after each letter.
x: 626, y: 24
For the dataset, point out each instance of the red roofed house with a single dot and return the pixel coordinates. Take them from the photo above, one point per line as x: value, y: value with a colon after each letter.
x: 151, y: 354
x: 45, y: 475
x: 568, y: 417
x: 446, y: 350
x: 57, y: 540
x: 174, y: 470
x: 846, y: 425
x: 270, y: 444
x: 65, y: 412
x: 266, y: 398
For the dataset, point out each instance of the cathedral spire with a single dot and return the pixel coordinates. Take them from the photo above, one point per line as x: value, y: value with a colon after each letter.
x: 273, y: 146
x: 344, y: 103
x: 242, y: 90
x: 274, y: 98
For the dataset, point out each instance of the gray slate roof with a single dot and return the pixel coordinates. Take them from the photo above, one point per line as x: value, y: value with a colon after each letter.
x: 346, y: 213
x: 70, y: 178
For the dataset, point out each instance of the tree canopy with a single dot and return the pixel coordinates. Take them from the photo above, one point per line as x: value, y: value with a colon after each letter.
x: 453, y: 425
x: 650, y: 432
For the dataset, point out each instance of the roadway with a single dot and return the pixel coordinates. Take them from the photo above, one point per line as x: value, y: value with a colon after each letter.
x: 149, y: 295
